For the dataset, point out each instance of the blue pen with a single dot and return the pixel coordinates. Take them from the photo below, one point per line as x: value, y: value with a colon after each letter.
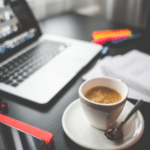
x: 122, y: 41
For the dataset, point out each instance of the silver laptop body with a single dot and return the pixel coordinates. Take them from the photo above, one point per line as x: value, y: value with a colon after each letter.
x: 41, y: 86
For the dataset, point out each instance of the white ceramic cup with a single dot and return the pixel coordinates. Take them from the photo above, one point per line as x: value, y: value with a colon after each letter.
x: 103, y: 116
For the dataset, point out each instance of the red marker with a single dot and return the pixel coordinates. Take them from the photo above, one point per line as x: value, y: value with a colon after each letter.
x: 104, y: 40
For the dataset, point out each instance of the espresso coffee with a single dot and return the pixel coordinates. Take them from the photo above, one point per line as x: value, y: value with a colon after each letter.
x: 103, y: 95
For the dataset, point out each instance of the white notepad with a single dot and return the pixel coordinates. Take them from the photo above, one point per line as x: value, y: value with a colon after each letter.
x: 133, y: 68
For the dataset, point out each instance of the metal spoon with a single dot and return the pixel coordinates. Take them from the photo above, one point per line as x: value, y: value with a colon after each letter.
x: 116, y: 133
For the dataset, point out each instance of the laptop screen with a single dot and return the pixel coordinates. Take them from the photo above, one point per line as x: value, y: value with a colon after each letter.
x: 18, y: 27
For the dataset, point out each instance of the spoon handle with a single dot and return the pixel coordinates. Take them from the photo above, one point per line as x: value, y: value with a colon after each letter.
x: 137, y: 105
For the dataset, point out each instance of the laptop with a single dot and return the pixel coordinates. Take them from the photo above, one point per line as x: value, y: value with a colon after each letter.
x: 34, y: 66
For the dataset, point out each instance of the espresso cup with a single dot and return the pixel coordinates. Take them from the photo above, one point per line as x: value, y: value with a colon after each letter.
x: 103, y: 116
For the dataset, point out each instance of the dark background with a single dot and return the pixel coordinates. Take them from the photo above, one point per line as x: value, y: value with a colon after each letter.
x: 49, y: 117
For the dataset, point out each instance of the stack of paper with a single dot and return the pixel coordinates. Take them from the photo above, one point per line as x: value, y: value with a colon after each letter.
x: 133, y: 68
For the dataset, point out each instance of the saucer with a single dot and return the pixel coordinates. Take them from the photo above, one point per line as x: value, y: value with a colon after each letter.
x: 79, y: 130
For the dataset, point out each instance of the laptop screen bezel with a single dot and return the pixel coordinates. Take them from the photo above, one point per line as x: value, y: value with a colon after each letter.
x: 27, y: 43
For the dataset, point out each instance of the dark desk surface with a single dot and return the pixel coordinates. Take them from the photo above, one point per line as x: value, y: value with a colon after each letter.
x: 49, y: 117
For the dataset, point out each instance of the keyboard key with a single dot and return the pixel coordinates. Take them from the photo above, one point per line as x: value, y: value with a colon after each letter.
x: 1, y: 73
x: 10, y: 78
x: 15, y: 84
x: 24, y: 75
x: 30, y: 71
x: 20, y: 71
x: 15, y: 74
x: 20, y: 78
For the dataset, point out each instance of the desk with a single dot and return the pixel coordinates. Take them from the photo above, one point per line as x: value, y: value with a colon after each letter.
x: 49, y: 117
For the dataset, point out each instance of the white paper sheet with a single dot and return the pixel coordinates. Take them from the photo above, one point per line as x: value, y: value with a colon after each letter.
x: 133, y: 68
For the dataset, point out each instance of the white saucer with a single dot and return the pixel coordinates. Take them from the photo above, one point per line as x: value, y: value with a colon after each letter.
x: 78, y: 129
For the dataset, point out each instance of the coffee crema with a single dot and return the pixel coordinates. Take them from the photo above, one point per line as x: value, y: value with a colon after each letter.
x: 103, y: 95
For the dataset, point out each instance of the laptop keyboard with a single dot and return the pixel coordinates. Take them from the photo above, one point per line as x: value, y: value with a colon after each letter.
x: 20, y: 68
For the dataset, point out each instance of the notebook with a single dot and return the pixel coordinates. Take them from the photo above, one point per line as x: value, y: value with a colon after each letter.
x: 132, y: 68
x: 35, y: 66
